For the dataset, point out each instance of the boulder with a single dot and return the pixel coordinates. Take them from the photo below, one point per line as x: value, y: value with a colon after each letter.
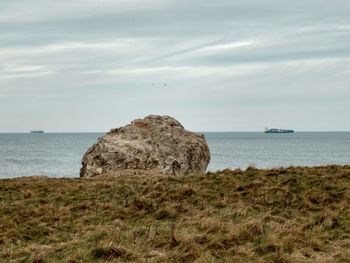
x: 153, y: 145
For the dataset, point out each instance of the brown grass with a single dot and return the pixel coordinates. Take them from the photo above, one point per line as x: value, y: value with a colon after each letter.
x: 293, y: 214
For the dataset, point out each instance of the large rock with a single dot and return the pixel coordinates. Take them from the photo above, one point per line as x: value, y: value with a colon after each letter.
x: 153, y: 145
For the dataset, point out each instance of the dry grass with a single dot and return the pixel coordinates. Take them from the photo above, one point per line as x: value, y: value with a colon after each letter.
x: 281, y: 215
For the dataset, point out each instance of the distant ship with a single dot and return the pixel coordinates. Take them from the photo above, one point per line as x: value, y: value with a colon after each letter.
x: 273, y: 130
x: 37, y: 131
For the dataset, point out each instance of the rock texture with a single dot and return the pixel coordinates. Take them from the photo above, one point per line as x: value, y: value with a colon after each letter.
x: 155, y: 144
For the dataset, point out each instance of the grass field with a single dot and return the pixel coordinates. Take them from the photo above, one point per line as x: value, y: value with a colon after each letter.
x: 291, y: 214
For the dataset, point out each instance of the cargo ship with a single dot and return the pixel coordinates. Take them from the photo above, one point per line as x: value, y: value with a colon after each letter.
x: 37, y: 131
x: 273, y: 130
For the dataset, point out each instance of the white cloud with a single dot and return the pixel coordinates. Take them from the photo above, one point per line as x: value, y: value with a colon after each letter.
x: 23, y: 71
x: 217, y: 57
x: 225, y: 46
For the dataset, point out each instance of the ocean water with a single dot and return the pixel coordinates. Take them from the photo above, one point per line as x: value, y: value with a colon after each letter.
x: 59, y: 154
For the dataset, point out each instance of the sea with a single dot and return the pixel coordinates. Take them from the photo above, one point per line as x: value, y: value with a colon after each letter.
x: 60, y: 154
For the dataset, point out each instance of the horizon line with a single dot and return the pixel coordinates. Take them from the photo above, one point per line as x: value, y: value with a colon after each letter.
x: 260, y: 131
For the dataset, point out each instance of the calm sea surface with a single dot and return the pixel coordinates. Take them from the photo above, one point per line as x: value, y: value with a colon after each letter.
x: 59, y: 155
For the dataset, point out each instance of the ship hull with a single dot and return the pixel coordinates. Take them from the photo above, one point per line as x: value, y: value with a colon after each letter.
x: 279, y: 131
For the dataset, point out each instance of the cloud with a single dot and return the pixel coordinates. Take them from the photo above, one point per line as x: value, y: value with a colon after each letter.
x: 23, y: 71
x: 219, y: 58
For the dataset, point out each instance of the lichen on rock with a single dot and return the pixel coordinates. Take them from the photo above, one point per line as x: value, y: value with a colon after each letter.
x: 155, y: 144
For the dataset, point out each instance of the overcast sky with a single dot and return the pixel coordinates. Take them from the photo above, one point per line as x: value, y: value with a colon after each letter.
x: 223, y: 65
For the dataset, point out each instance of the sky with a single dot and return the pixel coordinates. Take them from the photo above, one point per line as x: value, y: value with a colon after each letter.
x: 223, y: 65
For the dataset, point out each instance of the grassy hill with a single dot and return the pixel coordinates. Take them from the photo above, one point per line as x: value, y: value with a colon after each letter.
x: 294, y: 214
